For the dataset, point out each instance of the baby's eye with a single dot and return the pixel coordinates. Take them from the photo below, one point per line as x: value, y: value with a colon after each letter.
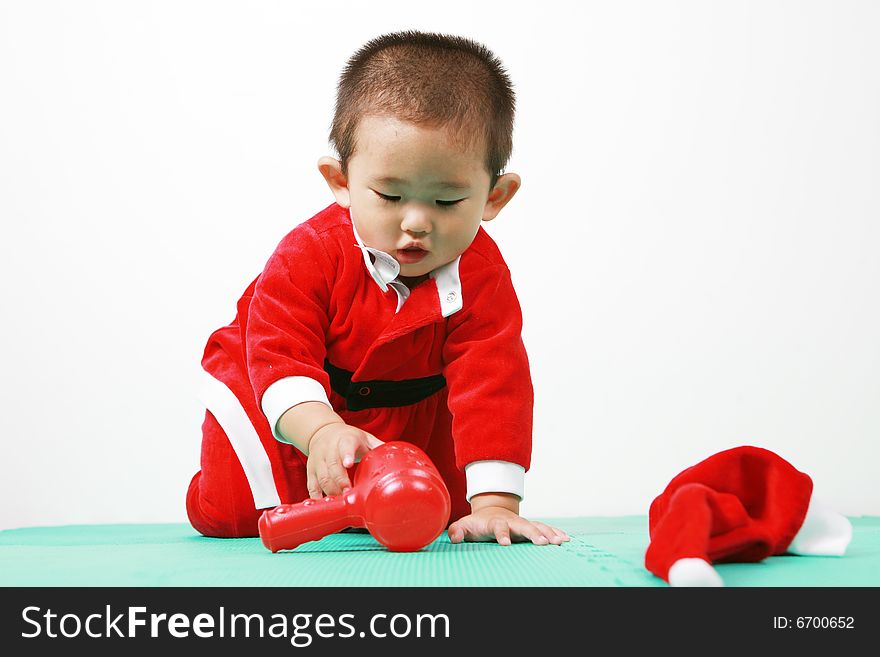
x: 386, y: 197
x: 447, y: 204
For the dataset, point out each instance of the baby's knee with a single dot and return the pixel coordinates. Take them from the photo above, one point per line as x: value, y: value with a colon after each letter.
x: 220, y: 517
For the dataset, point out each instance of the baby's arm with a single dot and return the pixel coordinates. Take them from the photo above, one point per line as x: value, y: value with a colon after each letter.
x: 495, y: 516
x: 286, y: 346
x: 491, y: 399
x: 330, y: 444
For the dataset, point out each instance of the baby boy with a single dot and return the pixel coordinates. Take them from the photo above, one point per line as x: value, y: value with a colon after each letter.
x: 389, y: 315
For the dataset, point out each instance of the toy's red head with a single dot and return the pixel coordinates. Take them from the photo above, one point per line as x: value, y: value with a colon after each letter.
x: 397, y: 494
x: 405, y: 502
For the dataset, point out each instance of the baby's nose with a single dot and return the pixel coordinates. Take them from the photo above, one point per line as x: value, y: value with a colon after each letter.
x: 416, y: 222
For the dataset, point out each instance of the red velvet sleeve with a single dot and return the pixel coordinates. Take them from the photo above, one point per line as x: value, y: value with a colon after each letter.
x: 487, y: 371
x: 288, y: 319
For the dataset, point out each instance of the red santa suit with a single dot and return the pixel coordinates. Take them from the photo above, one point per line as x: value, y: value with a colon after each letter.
x: 327, y: 321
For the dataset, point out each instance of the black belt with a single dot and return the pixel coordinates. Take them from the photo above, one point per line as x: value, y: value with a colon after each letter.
x: 381, y: 394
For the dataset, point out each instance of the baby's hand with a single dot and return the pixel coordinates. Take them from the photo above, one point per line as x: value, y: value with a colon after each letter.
x: 332, y: 449
x: 503, y: 525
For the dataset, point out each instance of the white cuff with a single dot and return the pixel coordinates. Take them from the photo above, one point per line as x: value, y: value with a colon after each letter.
x: 494, y: 477
x: 286, y: 393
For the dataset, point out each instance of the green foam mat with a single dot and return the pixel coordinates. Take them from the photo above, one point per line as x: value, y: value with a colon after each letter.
x: 604, y: 551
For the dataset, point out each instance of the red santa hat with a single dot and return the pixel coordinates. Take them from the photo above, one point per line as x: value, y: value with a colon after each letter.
x: 742, y: 504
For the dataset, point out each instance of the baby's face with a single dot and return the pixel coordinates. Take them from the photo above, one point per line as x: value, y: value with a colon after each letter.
x: 415, y: 193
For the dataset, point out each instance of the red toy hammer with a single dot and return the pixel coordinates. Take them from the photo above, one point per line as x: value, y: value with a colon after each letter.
x: 397, y: 494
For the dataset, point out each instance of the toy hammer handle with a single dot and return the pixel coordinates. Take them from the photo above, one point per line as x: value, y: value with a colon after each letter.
x: 289, y: 525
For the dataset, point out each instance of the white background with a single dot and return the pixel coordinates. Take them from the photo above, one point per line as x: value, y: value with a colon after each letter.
x: 695, y: 244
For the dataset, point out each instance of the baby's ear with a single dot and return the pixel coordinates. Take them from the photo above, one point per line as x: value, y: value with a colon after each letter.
x: 331, y: 169
x: 504, y: 189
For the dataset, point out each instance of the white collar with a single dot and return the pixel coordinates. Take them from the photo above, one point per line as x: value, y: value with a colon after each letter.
x: 386, y: 269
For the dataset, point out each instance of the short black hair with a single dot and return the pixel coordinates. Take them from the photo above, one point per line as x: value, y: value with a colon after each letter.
x: 427, y: 79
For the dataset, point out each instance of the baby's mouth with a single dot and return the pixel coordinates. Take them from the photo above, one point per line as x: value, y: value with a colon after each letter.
x: 411, y: 253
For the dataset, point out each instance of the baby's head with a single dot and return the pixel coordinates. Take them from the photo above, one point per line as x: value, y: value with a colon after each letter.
x: 423, y: 128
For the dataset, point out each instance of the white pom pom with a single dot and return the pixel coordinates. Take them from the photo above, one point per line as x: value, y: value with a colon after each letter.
x: 693, y: 572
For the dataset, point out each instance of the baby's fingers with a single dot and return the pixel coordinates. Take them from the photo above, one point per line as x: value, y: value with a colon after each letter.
x: 467, y: 529
x: 502, y: 531
x: 335, y: 478
x: 351, y: 449
x: 357, y: 448
x: 373, y: 442
x: 530, y: 531
x: 555, y: 536
x: 312, y: 482
x: 456, y: 532
x: 326, y: 477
